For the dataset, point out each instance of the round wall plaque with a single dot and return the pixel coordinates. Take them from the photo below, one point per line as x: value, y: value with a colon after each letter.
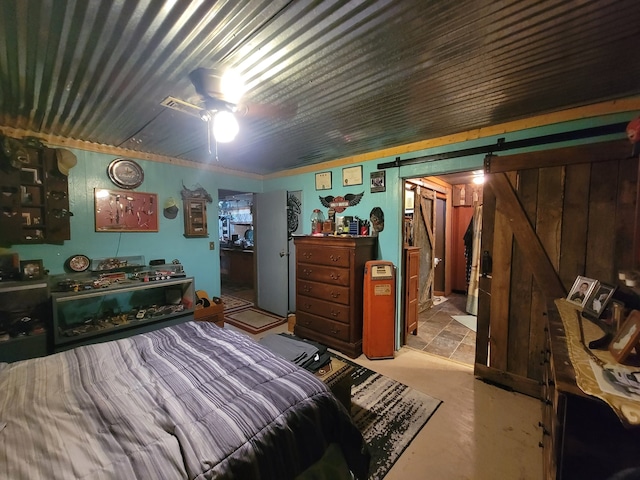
x: 78, y: 263
x: 125, y: 173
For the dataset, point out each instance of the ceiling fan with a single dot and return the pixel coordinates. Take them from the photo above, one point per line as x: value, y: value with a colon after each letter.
x: 219, y: 103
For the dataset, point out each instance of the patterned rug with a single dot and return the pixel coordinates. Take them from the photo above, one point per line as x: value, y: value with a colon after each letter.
x: 253, y: 320
x: 388, y: 413
x: 231, y: 303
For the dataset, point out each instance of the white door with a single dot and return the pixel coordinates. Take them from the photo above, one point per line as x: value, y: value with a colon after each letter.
x: 271, y: 250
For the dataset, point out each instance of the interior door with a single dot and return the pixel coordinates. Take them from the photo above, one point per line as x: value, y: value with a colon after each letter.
x: 424, y: 237
x: 271, y: 251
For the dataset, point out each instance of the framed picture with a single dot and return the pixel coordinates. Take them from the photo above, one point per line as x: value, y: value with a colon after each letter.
x: 581, y: 290
x: 125, y: 211
x: 323, y: 181
x: 31, y: 269
x: 597, y: 301
x: 352, y: 176
x: 626, y: 338
x: 377, y: 182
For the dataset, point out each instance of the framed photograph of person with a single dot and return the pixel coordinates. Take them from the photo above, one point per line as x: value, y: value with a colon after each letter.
x: 378, y: 182
x: 581, y: 290
x: 597, y: 301
x: 626, y: 338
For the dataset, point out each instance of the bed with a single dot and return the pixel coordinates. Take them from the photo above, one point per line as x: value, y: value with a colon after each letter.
x: 190, y: 401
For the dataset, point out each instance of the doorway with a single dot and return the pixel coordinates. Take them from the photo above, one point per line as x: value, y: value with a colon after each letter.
x: 235, y: 226
x: 439, y: 214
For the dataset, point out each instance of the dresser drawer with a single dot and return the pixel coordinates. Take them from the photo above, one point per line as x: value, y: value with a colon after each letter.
x: 327, y: 255
x: 323, y: 291
x: 322, y: 325
x: 320, y: 273
x: 332, y: 311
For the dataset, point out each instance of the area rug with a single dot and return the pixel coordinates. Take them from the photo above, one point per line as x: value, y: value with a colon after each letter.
x: 231, y: 303
x: 253, y: 320
x: 388, y: 413
x: 469, y: 321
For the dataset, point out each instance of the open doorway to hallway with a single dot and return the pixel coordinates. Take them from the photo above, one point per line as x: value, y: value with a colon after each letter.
x: 443, y: 220
x: 235, y: 224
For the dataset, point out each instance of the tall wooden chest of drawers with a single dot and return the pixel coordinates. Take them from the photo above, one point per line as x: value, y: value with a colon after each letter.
x: 329, y: 280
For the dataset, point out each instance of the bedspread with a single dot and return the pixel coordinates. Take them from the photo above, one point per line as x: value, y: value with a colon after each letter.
x: 191, y: 401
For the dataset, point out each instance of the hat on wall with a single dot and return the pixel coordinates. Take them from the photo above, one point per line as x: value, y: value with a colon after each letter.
x: 66, y: 160
x: 170, y: 208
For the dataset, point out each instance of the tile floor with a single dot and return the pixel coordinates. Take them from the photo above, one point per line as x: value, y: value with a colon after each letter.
x: 439, y: 334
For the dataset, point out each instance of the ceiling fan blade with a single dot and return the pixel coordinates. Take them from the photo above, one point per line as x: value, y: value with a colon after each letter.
x: 261, y: 110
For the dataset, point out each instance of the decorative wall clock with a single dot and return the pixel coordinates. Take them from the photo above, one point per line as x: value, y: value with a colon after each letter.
x: 125, y: 173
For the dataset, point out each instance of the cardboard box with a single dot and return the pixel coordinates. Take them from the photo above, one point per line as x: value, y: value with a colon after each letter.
x: 213, y: 313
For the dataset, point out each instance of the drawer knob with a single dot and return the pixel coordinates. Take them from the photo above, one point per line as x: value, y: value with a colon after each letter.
x: 307, y: 271
x: 334, y: 276
x: 335, y: 331
x: 335, y: 314
x: 335, y: 258
x: 307, y: 306
x: 306, y: 255
x: 334, y: 294
x: 306, y: 288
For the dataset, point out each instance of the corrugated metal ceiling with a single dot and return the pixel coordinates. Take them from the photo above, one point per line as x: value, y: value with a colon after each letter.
x: 345, y: 77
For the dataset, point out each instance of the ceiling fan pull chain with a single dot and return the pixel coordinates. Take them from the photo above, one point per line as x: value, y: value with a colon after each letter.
x: 216, y: 141
x: 209, y: 135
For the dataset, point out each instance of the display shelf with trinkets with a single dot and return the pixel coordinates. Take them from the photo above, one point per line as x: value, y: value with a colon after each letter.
x: 25, y: 318
x: 94, y: 309
x: 34, y: 203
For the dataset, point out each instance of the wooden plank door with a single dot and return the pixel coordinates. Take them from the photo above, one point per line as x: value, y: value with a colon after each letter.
x: 424, y: 237
x: 547, y: 218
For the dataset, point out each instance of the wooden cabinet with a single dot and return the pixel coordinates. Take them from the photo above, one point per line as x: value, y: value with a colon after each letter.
x: 581, y: 436
x: 195, y: 217
x: 329, y: 287
x: 411, y: 289
x: 25, y: 315
x: 34, y: 203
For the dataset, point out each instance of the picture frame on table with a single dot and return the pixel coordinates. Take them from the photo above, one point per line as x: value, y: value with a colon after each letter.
x: 627, y: 337
x: 598, y: 300
x: 352, y: 176
x: 378, y: 182
x: 31, y: 269
x: 581, y: 290
x: 323, y: 181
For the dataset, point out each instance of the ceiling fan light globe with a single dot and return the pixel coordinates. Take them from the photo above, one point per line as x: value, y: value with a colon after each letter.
x: 225, y: 127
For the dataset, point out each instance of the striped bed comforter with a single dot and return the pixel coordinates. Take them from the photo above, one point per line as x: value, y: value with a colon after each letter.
x: 192, y: 401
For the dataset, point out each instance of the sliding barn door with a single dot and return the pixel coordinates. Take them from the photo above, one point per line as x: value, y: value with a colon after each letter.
x: 424, y: 225
x: 548, y: 217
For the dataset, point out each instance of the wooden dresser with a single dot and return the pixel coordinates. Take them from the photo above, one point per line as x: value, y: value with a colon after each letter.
x: 582, y: 437
x: 329, y: 280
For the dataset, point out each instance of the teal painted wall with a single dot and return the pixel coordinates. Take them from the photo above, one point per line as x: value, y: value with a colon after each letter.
x: 166, y: 180
x: 390, y: 240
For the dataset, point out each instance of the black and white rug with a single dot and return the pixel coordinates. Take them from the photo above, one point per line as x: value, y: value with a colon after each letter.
x: 389, y: 414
